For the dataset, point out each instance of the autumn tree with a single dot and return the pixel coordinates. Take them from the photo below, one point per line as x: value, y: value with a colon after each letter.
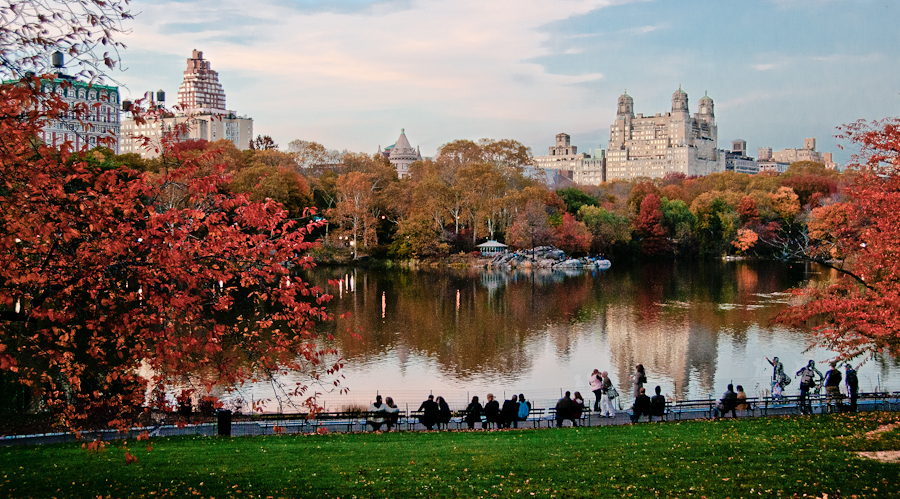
x: 573, y: 236
x: 263, y: 143
x: 532, y: 228
x: 654, y: 240
x: 353, y: 210
x: 858, y: 314
x: 109, y: 291
x: 609, y: 228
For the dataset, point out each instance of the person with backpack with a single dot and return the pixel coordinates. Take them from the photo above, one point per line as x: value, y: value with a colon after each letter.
x: 607, y: 394
x: 524, y: 408
x: 833, y: 380
x: 807, y: 380
x: 852, y: 382
x: 779, y: 378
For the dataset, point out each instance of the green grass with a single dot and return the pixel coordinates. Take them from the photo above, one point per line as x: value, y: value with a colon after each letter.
x: 744, y: 458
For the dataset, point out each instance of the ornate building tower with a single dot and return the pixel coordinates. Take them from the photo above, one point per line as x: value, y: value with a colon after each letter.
x: 201, y: 92
x: 626, y: 106
x: 402, y: 155
x: 707, y: 113
x: 679, y: 101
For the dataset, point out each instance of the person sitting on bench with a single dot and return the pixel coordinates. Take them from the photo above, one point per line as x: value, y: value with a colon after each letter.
x: 657, y: 405
x: 641, y: 406
x: 727, y: 403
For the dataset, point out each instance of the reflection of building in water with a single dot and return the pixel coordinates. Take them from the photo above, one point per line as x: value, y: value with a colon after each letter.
x: 668, y: 349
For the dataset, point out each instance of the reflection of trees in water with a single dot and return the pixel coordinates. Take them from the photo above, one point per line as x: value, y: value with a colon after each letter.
x: 473, y: 323
x: 487, y: 333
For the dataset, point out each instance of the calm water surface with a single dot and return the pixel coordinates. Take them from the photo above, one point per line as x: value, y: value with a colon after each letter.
x: 696, y: 327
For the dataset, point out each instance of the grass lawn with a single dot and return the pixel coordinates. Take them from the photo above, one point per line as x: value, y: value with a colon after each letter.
x: 767, y: 457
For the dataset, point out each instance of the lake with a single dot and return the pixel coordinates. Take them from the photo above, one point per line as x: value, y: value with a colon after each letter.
x: 694, y: 326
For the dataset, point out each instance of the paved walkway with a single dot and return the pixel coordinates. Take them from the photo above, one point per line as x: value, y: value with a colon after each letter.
x: 293, y: 425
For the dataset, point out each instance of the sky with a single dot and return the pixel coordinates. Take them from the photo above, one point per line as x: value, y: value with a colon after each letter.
x: 350, y: 74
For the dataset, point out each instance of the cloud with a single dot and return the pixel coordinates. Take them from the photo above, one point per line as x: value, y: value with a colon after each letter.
x: 449, y: 58
x: 765, y: 67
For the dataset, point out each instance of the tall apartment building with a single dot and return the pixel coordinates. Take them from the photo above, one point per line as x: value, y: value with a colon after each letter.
x: 808, y: 153
x: 201, y: 103
x: 737, y: 160
x: 99, y: 121
x: 580, y: 168
x: 652, y: 146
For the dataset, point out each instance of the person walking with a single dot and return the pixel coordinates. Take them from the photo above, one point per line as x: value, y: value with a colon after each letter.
x: 606, y: 392
x: 852, y: 382
x: 597, y: 388
x: 638, y: 378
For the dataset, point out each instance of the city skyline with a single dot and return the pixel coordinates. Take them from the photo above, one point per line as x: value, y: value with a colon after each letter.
x: 350, y: 74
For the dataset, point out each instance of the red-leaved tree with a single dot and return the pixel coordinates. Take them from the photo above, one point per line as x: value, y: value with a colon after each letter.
x: 112, y: 281
x: 654, y: 237
x: 858, y: 314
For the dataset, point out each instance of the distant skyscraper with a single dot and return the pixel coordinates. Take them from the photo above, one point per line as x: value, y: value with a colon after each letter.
x: 201, y: 92
x: 675, y: 142
x: 201, y: 102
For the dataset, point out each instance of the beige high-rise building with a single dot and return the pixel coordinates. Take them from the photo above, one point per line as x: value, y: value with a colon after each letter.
x: 674, y: 142
x: 201, y: 104
x: 808, y: 153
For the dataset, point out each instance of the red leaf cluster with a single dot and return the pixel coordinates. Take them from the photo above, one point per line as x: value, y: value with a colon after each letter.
x: 113, y: 279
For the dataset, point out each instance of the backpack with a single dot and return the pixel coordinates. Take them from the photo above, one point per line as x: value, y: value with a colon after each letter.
x: 524, y: 409
x: 806, y: 378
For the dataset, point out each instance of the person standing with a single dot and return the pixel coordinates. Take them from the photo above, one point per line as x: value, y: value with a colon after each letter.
x: 597, y: 388
x: 852, y: 382
x: 779, y: 378
x: 391, y: 413
x: 833, y: 380
x: 638, y: 378
x: 473, y: 412
x: 606, y: 406
x: 491, y: 411
x: 807, y: 375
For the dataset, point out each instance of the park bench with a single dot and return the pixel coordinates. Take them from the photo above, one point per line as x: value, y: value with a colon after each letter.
x: 688, y: 407
x: 551, y: 417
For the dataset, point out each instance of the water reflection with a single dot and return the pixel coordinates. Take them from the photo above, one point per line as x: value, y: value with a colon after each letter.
x: 695, y: 327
